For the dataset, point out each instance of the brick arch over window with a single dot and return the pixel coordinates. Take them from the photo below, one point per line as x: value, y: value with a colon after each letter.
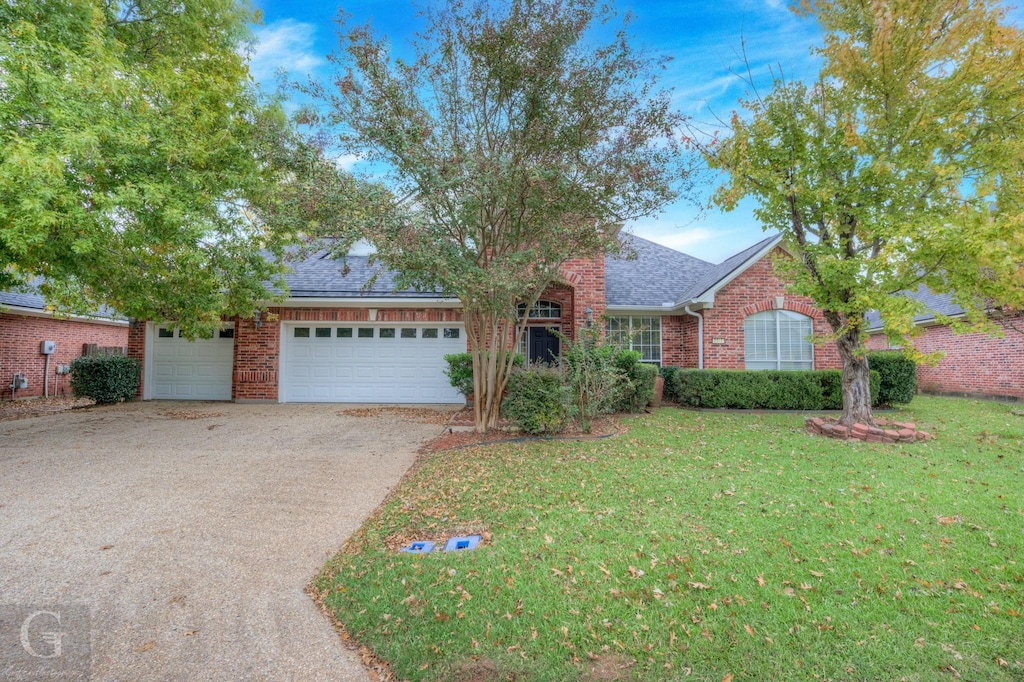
x: 769, y: 304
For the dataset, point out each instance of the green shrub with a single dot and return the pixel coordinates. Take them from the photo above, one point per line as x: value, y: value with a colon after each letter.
x: 538, y: 400
x: 671, y: 388
x: 636, y: 386
x: 899, y: 377
x: 593, y: 379
x: 105, y: 378
x: 460, y: 371
x: 764, y: 390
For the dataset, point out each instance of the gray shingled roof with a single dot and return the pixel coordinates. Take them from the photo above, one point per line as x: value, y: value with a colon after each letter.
x: 713, y: 276
x: 33, y: 300
x: 20, y: 299
x: 658, y: 274
x: 321, y: 276
x: 935, y: 304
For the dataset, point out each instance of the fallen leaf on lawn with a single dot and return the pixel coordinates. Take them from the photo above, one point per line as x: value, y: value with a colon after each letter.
x: 750, y: 630
x: 728, y: 677
x: 699, y: 586
x: 948, y: 520
x: 761, y: 581
x: 817, y: 574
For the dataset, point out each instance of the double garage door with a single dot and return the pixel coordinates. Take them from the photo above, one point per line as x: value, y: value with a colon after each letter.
x: 368, y: 363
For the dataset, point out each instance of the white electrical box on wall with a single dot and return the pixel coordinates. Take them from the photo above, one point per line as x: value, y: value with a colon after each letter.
x: 47, y: 347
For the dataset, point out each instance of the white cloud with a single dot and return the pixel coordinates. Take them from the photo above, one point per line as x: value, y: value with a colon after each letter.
x: 287, y: 45
x: 346, y: 162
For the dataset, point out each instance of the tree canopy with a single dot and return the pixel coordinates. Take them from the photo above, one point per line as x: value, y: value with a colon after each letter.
x: 902, y: 165
x: 139, y: 166
x: 512, y: 146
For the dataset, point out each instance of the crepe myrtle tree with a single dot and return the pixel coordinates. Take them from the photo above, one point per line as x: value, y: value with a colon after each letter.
x: 512, y: 145
x: 902, y: 165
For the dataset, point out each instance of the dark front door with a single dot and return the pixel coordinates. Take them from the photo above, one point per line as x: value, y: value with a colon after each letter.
x: 542, y: 345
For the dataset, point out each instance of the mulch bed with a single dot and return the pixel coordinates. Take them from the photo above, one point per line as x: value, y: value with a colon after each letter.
x: 601, y: 427
x: 38, y: 407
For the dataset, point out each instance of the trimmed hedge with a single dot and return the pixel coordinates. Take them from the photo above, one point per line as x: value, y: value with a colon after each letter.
x: 672, y: 382
x: 105, y: 378
x: 899, y: 377
x: 538, y: 400
x: 760, y: 390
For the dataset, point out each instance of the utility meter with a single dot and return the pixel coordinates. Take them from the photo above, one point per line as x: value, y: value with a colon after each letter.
x: 48, y: 347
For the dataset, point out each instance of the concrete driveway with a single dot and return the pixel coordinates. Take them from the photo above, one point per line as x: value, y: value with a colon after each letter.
x: 185, y: 540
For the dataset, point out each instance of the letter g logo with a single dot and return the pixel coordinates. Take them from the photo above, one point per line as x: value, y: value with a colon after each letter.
x: 53, y: 639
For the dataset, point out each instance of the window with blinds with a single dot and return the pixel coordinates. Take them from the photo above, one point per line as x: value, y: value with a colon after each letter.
x: 778, y: 339
x: 637, y: 333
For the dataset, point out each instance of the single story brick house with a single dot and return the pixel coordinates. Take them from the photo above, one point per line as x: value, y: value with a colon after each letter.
x: 335, y: 340
x: 973, y: 364
x: 25, y: 324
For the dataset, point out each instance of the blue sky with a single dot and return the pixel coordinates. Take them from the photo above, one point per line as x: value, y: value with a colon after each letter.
x: 704, y: 40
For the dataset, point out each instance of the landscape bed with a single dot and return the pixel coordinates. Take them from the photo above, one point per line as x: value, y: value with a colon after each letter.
x: 704, y: 546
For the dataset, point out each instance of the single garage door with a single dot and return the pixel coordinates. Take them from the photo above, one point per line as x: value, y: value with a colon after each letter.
x: 192, y: 370
x: 369, y: 363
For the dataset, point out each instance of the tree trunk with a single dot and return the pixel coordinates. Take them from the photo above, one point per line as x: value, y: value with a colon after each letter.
x: 856, y: 379
x: 489, y: 344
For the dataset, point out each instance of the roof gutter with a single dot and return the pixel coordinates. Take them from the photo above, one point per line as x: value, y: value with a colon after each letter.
x: 700, y: 336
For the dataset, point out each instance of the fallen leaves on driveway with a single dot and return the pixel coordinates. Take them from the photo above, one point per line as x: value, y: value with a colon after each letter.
x: 37, y: 407
x: 420, y: 415
x: 192, y: 414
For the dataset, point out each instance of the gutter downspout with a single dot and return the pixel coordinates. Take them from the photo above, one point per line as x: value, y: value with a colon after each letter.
x: 700, y: 336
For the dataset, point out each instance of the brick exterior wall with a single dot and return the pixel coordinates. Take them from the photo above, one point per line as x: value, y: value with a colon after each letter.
x: 674, y: 341
x: 586, y: 277
x: 137, y: 350
x: 752, y: 292
x: 973, y: 364
x: 19, y: 349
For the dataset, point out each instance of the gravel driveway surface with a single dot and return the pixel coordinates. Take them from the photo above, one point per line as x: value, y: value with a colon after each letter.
x: 190, y: 538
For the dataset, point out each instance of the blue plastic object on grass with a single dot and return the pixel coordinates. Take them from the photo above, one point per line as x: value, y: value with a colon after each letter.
x: 424, y: 547
x: 467, y: 542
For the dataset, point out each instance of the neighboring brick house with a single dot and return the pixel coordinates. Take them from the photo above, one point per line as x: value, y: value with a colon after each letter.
x: 334, y: 339
x: 972, y: 364
x: 25, y: 324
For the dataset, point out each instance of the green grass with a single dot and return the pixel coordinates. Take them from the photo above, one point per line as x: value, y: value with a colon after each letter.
x: 701, y: 545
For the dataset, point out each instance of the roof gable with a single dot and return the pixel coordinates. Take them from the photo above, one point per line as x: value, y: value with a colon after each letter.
x: 704, y: 288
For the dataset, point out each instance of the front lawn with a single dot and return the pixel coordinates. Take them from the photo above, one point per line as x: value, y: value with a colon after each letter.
x: 706, y: 545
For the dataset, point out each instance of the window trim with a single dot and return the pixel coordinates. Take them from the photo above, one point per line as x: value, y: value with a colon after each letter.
x: 632, y: 332
x: 778, y: 340
x: 542, y: 305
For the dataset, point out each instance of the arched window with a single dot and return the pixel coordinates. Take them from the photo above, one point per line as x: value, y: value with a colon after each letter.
x: 545, y: 310
x: 777, y: 339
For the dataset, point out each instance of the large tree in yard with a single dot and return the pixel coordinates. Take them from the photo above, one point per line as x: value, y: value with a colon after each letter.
x: 903, y: 165
x: 139, y: 167
x: 511, y: 147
